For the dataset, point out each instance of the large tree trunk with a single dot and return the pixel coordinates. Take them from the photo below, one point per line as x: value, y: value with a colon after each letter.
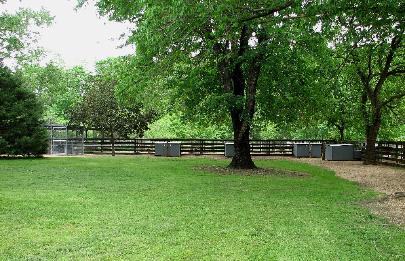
x: 241, y: 118
x: 370, y: 153
x: 242, y: 158
x: 372, y: 130
x: 341, y: 128
x: 239, y: 77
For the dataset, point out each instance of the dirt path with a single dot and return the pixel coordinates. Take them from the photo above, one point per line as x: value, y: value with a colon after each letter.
x: 384, y: 179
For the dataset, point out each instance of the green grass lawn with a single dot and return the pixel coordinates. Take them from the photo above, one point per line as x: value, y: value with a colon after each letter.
x: 163, y: 209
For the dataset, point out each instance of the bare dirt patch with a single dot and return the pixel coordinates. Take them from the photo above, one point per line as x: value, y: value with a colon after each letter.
x: 388, y: 180
x: 391, y: 207
x: 384, y: 179
x: 253, y: 172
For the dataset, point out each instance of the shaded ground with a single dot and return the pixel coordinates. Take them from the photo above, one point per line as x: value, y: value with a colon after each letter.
x: 253, y: 172
x: 384, y: 179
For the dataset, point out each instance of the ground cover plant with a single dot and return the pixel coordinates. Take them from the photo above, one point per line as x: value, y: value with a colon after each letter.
x: 166, y: 209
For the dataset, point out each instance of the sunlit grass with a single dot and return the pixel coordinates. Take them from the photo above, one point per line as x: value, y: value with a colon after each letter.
x: 158, y: 209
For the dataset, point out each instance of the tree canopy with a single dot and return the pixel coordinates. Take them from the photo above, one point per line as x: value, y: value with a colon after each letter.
x: 18, y: 34
x: 268, y: 60
x: 246, y: 69
x: 58, y: 89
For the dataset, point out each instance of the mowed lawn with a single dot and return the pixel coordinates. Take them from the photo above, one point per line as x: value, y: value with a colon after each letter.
x: 135, y: 208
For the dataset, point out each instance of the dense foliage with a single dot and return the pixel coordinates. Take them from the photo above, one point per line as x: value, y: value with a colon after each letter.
x: 18, y: 36
x: 21, y: 128
x: 58, y: 89
x: 99, y: 110
x: 212, y: 53
x: 271, y: 60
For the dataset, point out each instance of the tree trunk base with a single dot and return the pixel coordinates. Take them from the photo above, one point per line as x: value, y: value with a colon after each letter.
x: 370, y: 162
x: 242, y: 163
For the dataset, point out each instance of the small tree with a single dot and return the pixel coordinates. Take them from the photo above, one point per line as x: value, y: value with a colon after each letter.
x: 21, y: 128
x: 100, y: 110
x: 372, y: 35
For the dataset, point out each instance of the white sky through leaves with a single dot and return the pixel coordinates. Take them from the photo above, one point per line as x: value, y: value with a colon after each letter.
x: 76, y: 37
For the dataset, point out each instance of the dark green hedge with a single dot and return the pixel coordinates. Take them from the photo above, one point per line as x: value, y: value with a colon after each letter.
x: 21, y: 128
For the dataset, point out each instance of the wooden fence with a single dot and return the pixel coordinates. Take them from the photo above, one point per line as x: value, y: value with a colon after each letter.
x: 387, y: 151
x: 391, y: 152
x: 191, y: 146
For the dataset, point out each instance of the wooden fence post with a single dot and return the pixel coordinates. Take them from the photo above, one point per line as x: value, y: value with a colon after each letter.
x: 102, y: 143
x: 201, y: 147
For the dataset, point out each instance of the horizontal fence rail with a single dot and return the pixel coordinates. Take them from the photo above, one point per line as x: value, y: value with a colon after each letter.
x: 191, y: 146
x: 391, y: 152
x: 387, y: 151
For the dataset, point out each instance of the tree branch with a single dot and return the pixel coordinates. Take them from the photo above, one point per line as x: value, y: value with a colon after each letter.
x: 244, y: 40
x: 366, y: 82
x: 393, y: 98
x: 365, y: 79
x: 395, y: 42
x: 270, y: 11
x: 369, y: 64
x: 396, y: 72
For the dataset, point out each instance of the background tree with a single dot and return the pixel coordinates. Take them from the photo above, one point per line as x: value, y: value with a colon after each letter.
x: 101, y: 111
x: 21, y: 128
x: 177, y: 126
x: 18, y: 35
x: 371, y: 33
x: 339, y: 106
x: 58, y: 89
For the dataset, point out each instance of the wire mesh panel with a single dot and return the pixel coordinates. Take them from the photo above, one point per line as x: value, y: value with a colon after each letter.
x: 65, y: 141
x: 58, y: 147
x: 75, y: 146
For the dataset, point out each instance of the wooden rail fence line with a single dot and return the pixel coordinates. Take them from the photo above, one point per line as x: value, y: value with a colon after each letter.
x: 387, y: 151
x: 191, y: 146
x: 391, y: 152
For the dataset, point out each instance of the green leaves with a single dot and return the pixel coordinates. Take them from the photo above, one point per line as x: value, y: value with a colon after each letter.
x: 17, y: 33
x: 100, y: 110
x: 58, y: 89
x: 190, y: 55
x: 21, y: 128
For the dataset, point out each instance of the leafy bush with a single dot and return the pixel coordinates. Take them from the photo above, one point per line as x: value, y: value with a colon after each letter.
x: 21, y: 128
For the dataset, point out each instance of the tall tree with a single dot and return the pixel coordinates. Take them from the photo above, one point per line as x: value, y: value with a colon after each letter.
x: 59, y: 89
x: 341, y: 107
x: 372, y: 34
x: 230, y: 38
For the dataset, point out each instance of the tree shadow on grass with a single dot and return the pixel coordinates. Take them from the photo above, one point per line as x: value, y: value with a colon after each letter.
x: 252, y: 172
